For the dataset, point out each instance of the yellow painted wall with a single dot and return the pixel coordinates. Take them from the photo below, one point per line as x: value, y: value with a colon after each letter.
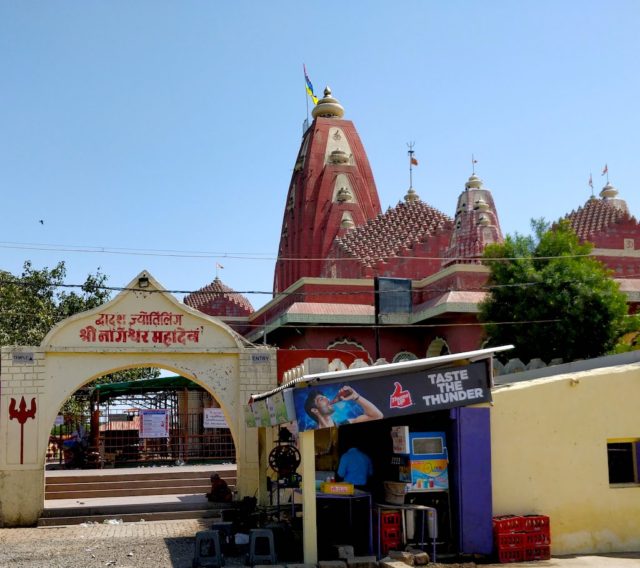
x: 549, y: 456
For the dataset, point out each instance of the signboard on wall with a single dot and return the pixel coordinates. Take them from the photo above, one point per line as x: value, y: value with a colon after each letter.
x: 276, y: 409
x: 260, y: 413
x: 348, y: 402
x: 152, y: 328
x: 23, y: 358
x: 154, y: 423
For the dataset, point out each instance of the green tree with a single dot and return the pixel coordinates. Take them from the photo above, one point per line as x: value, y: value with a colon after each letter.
x: 550, y: 299
x: 32, y: 303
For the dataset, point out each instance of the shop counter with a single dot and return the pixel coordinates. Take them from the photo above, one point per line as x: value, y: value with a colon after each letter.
x: 331, y: 521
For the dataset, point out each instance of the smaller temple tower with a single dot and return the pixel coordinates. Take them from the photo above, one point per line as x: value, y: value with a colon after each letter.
x: 476, y: 223
x: 614, y: 232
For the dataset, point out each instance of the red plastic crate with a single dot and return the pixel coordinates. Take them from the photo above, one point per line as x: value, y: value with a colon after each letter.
x: 510, y: 540
x: 507, y: 524
x: 390, y: 533
x: 510, y: 555
x: 537, y: 553
x: 540, y: 538
x: 390, y: 518
x: 391, y: 545
x: 533, y: 523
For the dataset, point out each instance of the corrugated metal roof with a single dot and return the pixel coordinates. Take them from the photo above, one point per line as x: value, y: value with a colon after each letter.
x: 388, y: 368
x: 318, y: 308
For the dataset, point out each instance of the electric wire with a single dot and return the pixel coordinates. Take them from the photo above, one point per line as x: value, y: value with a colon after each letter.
x: 248, y: 255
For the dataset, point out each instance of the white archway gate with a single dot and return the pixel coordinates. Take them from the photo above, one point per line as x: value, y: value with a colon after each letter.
x: 144, y: 326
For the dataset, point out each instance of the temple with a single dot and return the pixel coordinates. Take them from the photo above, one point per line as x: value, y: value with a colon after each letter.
x: 338, y: 250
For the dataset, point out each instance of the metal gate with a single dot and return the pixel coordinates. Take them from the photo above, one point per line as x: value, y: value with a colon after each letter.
x: 109, y: 431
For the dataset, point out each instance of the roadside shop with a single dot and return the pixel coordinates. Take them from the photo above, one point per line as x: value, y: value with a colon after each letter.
x: 424, y: 424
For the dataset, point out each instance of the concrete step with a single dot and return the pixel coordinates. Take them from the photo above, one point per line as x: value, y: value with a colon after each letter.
x: 135, y: 494
x: 129, y: 484
x: 130, y: 517
x: 130, y: 509
x: 90, y: 484
x: 99, y: 476
x: 127, y: 492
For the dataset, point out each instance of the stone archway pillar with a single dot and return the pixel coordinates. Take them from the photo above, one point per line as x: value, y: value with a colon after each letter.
x: 251, y: 446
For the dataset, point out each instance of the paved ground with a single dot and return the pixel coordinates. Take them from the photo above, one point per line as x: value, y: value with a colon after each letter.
x: 168, y: 544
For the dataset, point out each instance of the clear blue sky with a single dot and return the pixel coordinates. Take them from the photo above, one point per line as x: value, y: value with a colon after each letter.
x: 156, y: 125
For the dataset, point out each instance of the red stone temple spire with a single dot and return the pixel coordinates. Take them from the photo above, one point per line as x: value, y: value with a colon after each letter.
x: 331, y: 191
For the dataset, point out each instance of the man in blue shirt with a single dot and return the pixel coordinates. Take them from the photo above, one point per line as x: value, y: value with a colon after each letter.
x: 355, y: 467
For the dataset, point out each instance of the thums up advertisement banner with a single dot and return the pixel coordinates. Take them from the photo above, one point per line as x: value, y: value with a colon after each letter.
x: 339, y: 403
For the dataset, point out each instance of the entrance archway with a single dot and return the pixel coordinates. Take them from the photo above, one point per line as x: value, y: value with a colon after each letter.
x: 143, y: 326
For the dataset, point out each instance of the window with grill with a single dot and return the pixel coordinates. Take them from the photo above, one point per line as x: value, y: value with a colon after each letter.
x: 623, y: 457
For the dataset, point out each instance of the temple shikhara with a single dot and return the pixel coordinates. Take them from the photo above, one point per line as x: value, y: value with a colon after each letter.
x: 337, y: 245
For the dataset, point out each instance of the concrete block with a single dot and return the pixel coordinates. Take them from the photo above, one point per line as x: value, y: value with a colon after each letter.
x: 332, y: 564
x: 401, y: 556
x: 389, y: 563
x: 362, y: 562
x: 344, y: 551
x: 420, y: 558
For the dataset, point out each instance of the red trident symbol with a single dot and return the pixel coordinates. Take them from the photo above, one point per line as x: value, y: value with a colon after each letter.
x: 22, y: 415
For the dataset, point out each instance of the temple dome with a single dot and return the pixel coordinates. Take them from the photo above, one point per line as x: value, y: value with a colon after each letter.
x: 217, y: 299
x: 608, y: 191
x: 411, y: 196
x: 328, y: 107
x: 474, y: 182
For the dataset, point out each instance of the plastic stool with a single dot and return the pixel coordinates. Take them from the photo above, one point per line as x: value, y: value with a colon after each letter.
x: 262, y: 548
x: 226, y: 536
x: 208, y: 552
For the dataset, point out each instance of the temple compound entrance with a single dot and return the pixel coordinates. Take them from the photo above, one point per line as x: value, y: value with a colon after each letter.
x: 144, y: 326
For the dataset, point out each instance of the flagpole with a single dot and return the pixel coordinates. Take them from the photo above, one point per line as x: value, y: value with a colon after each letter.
x: 410, y: 152
x: 306, y: 97
x: 473, y: 165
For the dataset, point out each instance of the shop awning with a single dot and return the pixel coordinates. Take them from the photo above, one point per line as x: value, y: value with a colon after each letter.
x: 393, y: 389
x: 108, y: 391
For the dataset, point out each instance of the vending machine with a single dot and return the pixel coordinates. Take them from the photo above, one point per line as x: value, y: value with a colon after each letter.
x: 422, y: 459
x: 422, y: 462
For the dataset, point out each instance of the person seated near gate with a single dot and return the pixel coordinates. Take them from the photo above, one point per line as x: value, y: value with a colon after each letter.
x: 355, y: 467
x: 220, y: 492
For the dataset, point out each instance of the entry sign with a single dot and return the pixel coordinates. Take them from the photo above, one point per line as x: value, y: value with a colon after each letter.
x: 213, y: 418
x: 393, y: 395
x: 154, y: 423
